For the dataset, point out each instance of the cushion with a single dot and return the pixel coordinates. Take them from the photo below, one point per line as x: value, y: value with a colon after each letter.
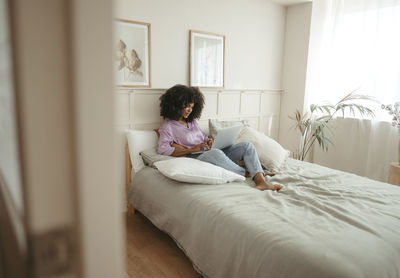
x: 195, y: 171
x: 272, y: 155
x: 214, y: 125
x: 139, y: 140
x: 150, y: 156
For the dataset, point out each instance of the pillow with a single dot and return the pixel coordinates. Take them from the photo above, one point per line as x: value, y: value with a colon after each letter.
x: 271, y: 154
x: 139, y: 140
x: 191, y: 170
x: 214, y: 125
x: 150, y: 156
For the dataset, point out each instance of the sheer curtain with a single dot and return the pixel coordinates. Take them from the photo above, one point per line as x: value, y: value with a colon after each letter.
x: 355, y: 45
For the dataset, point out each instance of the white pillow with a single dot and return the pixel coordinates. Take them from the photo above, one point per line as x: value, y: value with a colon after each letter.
x: 214, y: 125
x: 191, y: 170
x: 140, y: 140
x: 271, y: 154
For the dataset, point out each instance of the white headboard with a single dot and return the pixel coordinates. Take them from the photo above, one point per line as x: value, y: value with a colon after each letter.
x: 139, y: 108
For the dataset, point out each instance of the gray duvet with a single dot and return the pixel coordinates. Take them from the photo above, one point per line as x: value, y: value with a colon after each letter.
x: 323, y: 223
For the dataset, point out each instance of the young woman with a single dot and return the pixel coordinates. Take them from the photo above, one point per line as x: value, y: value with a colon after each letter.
x: 180, y: 135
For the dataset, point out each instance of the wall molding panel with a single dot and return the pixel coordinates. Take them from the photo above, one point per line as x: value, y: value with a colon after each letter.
x: 139, y: 108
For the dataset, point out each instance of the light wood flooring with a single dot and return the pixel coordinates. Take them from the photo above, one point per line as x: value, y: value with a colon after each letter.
x: 152, y: 253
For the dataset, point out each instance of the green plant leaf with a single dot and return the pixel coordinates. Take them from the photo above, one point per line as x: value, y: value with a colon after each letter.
x: 317, y: 127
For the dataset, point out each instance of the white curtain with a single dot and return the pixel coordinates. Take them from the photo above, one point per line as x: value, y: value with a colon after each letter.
x: 355, y: 44
x: 362, y: 147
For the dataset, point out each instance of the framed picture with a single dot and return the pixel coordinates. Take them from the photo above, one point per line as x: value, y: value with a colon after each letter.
x: 132, y: 63
x: 207, y: 59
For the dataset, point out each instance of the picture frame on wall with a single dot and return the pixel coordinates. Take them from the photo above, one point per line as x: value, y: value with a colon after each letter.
x: 132, y: 62
x: 207, y: 59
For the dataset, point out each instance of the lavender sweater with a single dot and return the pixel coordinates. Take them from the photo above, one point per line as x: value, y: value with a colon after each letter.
x: 174, y: 132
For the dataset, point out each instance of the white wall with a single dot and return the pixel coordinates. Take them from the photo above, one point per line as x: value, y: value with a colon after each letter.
x: 298, y: 20
x: 65, y: 100
x: 101, y: 230
x: 254, y: 31
x: 43, y: 89
x: 44, y: 98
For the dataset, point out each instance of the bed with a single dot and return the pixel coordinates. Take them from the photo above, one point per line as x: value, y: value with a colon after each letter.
x: 323, y: 223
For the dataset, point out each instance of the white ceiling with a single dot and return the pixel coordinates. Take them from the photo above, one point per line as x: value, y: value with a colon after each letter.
x: 290, y: 2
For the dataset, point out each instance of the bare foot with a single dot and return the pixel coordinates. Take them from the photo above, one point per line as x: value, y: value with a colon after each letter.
x: 266, y: 186
x: 261, y: 184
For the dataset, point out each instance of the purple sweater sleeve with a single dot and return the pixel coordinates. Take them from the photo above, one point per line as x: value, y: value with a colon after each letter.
x: 165, y: 140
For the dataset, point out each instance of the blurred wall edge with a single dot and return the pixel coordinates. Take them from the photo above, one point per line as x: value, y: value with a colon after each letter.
x: 62, y: 53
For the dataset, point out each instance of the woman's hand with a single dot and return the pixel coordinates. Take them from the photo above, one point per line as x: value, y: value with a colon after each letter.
x: 209, y: 143
x: 183, y: 151
x: 199, y: 147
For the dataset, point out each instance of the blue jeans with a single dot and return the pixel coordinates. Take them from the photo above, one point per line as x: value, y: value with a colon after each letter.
x: 229, y: 156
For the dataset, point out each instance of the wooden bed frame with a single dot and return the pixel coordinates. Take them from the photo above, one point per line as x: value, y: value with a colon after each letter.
x: 128, y: 169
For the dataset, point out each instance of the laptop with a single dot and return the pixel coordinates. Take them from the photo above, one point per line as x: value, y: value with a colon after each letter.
x: 225, y: 138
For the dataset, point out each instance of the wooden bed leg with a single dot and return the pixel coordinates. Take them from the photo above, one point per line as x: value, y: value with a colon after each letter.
x: 131, y: 210
x: 128, y: 169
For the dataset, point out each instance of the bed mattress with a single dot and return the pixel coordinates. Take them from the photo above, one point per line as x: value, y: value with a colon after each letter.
x: 323, y: 223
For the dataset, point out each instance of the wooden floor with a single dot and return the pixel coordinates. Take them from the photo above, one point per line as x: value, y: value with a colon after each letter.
x: 152, y: 253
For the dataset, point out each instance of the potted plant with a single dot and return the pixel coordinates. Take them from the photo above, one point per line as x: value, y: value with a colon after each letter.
x: 315, y: 124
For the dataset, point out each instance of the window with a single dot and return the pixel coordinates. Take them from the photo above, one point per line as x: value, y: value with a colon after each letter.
x: 359, y: 48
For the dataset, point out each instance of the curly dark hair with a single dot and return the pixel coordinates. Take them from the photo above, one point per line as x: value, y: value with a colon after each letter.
x: 175, y: 99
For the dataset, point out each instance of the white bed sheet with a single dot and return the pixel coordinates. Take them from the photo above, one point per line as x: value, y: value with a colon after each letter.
x: 323, y: 223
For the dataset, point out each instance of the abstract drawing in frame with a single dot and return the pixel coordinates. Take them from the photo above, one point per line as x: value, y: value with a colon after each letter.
x: 207, y: 59
x: 132, y: 54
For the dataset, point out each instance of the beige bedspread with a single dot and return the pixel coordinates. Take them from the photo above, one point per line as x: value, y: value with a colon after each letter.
x: 323, y: 223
